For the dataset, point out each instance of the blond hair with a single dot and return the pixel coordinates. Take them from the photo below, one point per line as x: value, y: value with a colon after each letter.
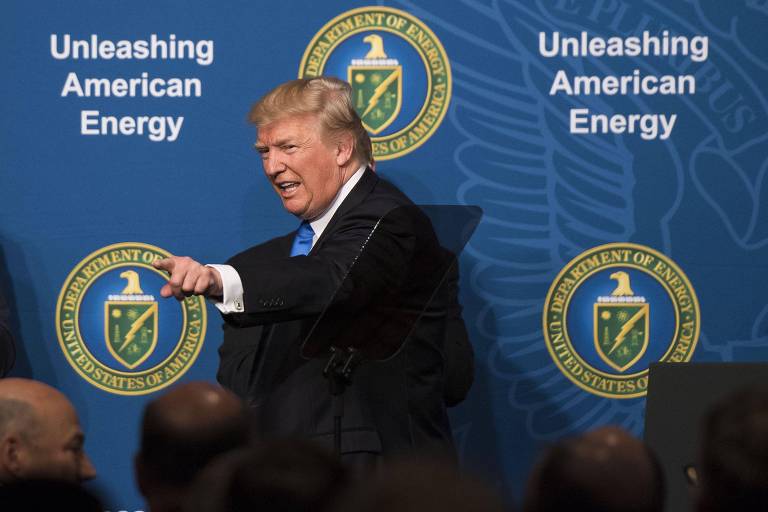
x: 329, y: 98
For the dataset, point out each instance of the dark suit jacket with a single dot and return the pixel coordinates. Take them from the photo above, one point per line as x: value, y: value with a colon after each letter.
x: 395, y: 405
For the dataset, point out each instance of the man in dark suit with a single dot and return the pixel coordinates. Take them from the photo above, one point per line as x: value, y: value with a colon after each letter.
x: 316, y: 154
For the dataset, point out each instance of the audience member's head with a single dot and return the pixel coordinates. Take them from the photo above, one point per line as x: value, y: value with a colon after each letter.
x: 181, y: 432
x: 273, y: 476
x: 40, y: 435
x: 606, y: 470
x: 419, y: 485
x: 733, y: 470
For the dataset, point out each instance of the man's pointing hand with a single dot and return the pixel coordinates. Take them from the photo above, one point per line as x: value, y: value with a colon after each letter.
x: 189, y: 277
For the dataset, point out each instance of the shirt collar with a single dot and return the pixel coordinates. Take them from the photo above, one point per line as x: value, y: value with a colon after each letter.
x: 320, y: 223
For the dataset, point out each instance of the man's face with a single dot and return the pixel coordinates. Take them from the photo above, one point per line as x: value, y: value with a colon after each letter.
x: 305, y: 169
x: 54, y: 447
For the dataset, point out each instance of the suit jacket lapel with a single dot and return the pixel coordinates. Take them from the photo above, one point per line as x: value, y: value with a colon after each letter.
x: 283, y: 247
x: 356, y: 196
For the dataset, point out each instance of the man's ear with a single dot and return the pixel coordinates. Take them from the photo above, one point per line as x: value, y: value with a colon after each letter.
x: 12, y: 455
x: 345, y: 145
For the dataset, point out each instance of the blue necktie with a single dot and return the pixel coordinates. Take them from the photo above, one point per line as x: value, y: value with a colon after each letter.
x: 303, y: 241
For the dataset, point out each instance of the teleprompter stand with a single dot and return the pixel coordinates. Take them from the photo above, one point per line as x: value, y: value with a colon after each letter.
x: 397, y: 279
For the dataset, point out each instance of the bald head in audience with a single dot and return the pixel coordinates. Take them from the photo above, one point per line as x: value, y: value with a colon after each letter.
x: 181, y: 432
x: 40, y: 434
x: 606, y: 470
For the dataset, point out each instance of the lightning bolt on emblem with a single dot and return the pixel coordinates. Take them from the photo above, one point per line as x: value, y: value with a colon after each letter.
x: 625, y: 330
x: 135, y: 326
x: 381, y: 89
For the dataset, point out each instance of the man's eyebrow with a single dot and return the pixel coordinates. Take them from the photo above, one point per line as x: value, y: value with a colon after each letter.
x: 278, y: 143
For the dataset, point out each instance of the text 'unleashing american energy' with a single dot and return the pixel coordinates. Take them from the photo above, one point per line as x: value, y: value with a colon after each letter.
x: 156, y: 128
x: 636, y: 82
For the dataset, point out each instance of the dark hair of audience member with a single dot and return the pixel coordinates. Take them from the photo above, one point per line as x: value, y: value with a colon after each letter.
x: 733, y: 466
x: 277, y: 475
x: 606, y: 470
x: 419, y: 485
x: 175, y: 447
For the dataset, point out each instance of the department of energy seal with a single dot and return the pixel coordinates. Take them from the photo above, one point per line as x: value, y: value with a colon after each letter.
x: 398, y: 69
x: 113, y: 330
x: 612, y: 311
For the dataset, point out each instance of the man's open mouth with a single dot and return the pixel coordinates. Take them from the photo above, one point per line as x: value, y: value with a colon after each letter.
x: 287, y: 186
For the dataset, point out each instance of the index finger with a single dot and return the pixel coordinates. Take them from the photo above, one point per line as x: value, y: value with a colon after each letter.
x: 164, y: 264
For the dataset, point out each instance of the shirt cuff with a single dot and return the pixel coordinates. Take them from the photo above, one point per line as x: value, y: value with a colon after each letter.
x: 232, y: 297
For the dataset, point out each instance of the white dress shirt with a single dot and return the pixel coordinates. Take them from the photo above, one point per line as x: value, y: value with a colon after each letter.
x: 232, y: 300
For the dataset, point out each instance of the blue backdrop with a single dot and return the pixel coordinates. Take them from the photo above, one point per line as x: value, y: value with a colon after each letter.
x: 505, y: 144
